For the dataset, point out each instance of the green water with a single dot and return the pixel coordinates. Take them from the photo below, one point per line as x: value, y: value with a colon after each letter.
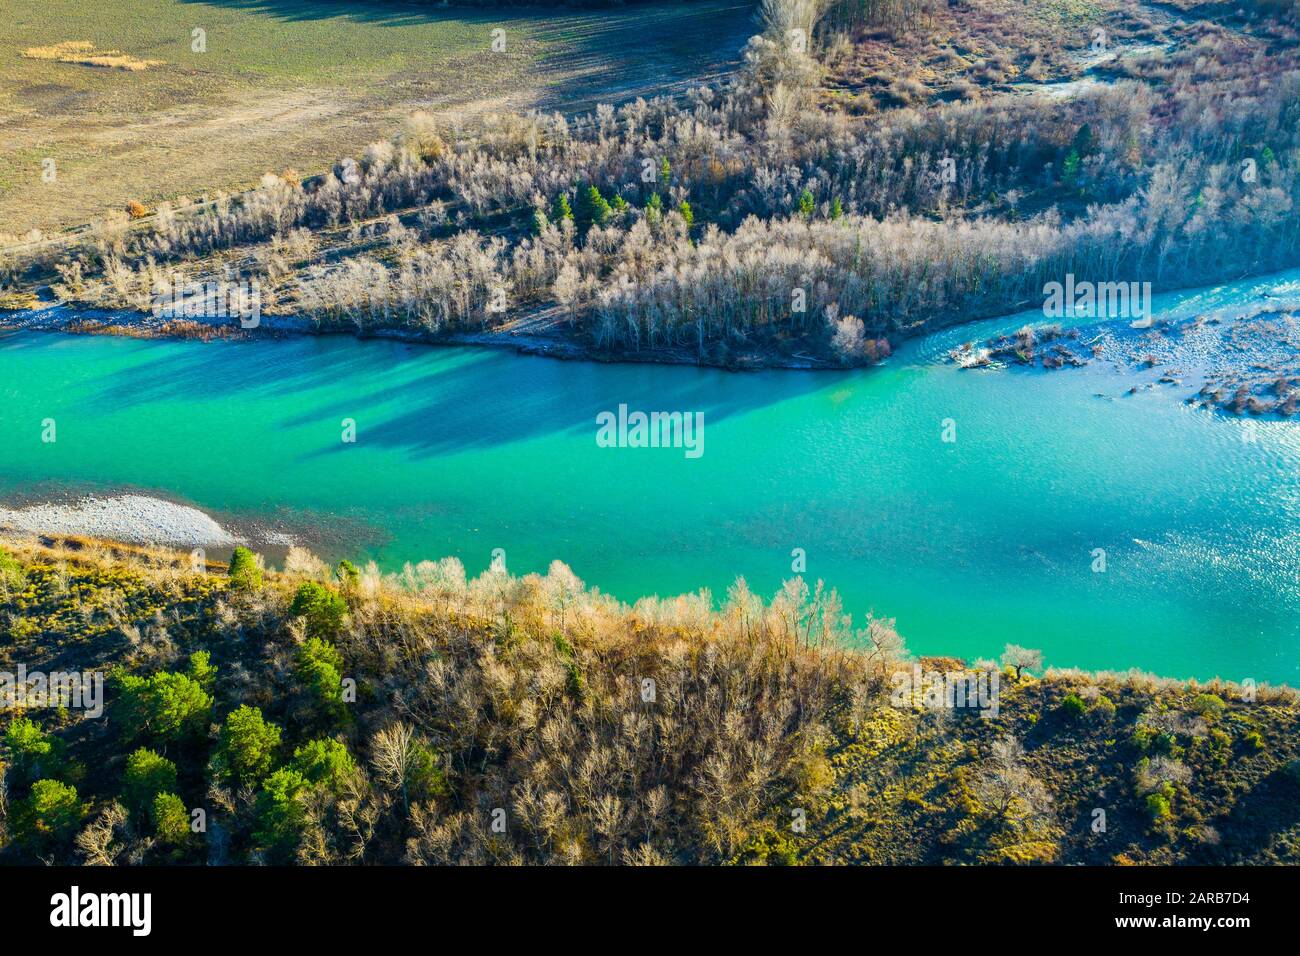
x: 969, y: 544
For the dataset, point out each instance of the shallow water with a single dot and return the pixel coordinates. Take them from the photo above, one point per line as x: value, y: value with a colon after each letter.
x: 969, y: 544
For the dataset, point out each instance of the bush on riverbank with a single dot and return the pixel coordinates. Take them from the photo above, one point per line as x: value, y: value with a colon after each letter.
x: 506, y: 719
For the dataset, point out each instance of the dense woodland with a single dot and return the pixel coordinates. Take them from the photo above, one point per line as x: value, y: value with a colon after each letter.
x: 322, y: 715
x: 750, y: 215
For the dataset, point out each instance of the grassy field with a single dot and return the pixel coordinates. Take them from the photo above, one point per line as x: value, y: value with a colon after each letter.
x: 290, y: 83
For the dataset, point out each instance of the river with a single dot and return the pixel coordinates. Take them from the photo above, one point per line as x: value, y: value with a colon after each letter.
x: 972, y: 543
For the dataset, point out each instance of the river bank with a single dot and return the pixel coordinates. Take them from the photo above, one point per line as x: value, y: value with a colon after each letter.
x: 544, y: 333
x: 135, y: 519
x: 1242, y: 358
x: 886, y: 728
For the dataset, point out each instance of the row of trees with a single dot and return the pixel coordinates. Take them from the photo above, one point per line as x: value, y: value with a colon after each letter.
x: 740, y: 213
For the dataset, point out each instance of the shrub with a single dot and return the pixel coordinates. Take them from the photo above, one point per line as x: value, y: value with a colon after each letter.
x: 561, y: 210
x: 577, y: 680
x: 807, y: 203
x: 1254, y: 741
x: 593, y: 209
x: 320, y: 669
x: 202, y: 671
x: 171, y: 819
x: 1150, y: 740
x: 245, y: 572
x: 1208, y: 705
x: 1155, y: 774
x: 1103, y: 709
x: 348, y: 575
x: 147, y: 775
x: 168, y: 706
x: 428, y: 781
x: 12, y: 575
x: 246, y: 745
x: 32, y: 753
x: 280, y: 814
x: 654, y: 208
x: 815, y: 775
x: 325, y: 762
x: 321, y: 606
x: 1073, y: 706
x: 49, y: 816
x: 1159, y: 806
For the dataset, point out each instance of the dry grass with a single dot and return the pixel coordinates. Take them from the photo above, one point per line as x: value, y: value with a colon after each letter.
x: 83, y: 53
x: 986, y: 47
x: 300, y: 89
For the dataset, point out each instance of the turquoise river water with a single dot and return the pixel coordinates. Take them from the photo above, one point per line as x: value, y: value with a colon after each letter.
x: 968, y: 544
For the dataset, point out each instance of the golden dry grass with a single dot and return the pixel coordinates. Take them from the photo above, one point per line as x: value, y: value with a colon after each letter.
x: 298, y: 83
x: 83, y: 53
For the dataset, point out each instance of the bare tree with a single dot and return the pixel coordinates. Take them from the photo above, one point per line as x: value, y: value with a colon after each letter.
x: 1021, y: 658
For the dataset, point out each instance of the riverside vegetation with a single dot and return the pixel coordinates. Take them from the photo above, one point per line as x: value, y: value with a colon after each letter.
x: 318, y: 715
x: 757, y: 221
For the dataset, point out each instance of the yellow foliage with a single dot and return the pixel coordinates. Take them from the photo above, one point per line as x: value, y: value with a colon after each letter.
x: 83, y: 53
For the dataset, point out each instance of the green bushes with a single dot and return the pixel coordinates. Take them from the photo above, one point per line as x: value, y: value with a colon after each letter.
x: 280, y: 814
x: 807, y: 204
x: 1159, y: 805
x: 348, y: 574
x: 326, y: 762
x: 577, y: 682
x: 1149, y: 739
x: 202, y: 671
x: 246, y: 746
x: 171, y: 820
x: 245, y: 570
x: 319, y: 667
x: 12, y: 576
x: 323, y: 609
x: 31, y: 753
x: 593, y: 209
x: 561, y: 210
x: 1208, y: 705
x: 147, y: 775
x: 49, y: 816
x: 166, y: 706
x: 1102, y: 709
x: 1073, y: 706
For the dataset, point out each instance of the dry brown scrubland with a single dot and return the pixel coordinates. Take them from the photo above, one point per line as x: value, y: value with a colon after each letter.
x: 513, y: 720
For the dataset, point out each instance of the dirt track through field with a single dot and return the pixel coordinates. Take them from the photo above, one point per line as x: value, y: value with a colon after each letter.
x: 187, y: 134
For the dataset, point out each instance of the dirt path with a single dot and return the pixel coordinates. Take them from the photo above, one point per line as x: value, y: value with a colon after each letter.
x: 189, y: 133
